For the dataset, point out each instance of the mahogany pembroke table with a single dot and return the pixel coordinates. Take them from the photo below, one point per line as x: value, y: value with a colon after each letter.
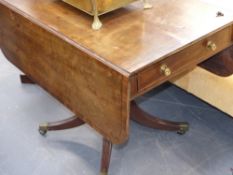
x: 98, y: 74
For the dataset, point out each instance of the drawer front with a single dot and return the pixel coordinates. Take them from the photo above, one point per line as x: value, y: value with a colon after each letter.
x: 183, y: 60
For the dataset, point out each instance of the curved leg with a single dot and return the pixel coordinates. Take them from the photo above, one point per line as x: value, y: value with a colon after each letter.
x: 60, y: 125
x: 146, y: 4
x: 26, y: 80
x: 148, y: 120
x: 106, y: 156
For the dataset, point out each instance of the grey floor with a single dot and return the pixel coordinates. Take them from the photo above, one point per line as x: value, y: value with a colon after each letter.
x: 207, y: 149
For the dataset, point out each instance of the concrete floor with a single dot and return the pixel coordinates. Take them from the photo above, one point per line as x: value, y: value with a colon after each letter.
x: 207, y: 149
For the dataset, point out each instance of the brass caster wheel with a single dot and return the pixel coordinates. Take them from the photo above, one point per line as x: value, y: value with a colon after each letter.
x: 103, y: 173
x: 43, y: 129
x: 183, y: 129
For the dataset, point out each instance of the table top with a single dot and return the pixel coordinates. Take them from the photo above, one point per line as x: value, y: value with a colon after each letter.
x: 94, y: 73
x: 131, y: 38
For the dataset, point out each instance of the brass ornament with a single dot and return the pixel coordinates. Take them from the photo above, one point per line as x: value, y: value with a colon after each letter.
x: 165, y: 70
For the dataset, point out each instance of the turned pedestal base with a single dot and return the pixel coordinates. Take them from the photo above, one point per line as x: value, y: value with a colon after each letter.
x: 136, y: 114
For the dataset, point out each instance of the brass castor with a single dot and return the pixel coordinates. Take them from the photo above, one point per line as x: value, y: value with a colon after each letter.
x: 183, y: 129
x: 103, y: 173
x: 43, y: 129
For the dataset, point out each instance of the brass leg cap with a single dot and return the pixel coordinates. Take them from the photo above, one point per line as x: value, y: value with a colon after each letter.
x: 43, y: 129
x: 183, y: 128
x: 103, y: 173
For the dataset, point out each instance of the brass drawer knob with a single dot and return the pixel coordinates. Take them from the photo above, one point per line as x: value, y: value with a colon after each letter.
x: 165, y: 70
x: 211, y: 45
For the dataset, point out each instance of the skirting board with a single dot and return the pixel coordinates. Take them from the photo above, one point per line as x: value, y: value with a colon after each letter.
x: 215, y: 90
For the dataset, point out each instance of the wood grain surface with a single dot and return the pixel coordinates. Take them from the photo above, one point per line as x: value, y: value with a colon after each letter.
x: 183, y: 60
x: 96, y: 93
x: 94, y: 72
x: 131, y: 38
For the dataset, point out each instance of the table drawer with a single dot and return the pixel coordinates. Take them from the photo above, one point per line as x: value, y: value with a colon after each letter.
x: 183, y: 60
